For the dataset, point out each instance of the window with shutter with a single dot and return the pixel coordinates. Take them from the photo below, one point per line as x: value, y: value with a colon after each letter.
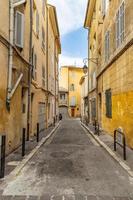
x: 117, y: 28
x: 93, y: 109
x: 120, y: 25
x: 43, y: 38
x: 108, y: 95
x: 107, y: 46
x: 19, y: 29
x: 73, y: 101
x: 37, y: 23
x: 72, y: 87
x: 34, y: 64
x: 43, y: 7
x: 43, y: 76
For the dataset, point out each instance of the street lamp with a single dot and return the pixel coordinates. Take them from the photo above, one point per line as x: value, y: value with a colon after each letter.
x: 85, y: 70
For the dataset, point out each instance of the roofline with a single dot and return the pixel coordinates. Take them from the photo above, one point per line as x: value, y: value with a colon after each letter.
x: 57, y: 26
x: 73, y: 67
x: 86, y: 13
x: 89, y: 13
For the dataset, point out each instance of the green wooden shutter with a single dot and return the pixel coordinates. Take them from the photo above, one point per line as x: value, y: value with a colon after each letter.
x: 109, y: 103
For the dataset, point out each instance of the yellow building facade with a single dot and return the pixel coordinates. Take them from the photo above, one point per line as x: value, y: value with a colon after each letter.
x: 112, y: 40
x: 25, y: 68
x: 14, y: 56
x: 69, y: 80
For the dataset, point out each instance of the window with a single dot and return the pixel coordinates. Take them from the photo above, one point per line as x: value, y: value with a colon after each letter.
x: 34, y: 64
x: 120, y: 25
x: 43, y: 7
x: 72, y: 87
x: 108, y: 95
x: 43, y: 76
x: 62, y: 96
x: 19, y: 29
x: 73, y: 101
x: 37, y: 23
x: 107, y: 46
x: 23, y: 108
x: 35, y: 20
x: 105, y: 5
x: 43, y: 38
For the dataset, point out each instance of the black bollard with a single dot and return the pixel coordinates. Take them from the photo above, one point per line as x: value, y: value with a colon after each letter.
x: 2, y: 159
x: 28, y: 132
x: 23, y: 142
x: 37, y: 132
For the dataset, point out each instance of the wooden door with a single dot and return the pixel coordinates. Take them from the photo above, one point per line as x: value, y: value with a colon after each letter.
x: 72, y: 112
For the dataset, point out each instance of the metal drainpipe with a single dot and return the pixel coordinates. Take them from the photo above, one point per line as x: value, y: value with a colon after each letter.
x: 29, y: 72
x: 88, y: 85
x: 47, y: 55
x: 11, y: 32
x: 55, y: 71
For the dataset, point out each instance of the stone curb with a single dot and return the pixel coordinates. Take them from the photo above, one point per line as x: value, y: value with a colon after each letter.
x: 17, y: 170
x: 115, y: 157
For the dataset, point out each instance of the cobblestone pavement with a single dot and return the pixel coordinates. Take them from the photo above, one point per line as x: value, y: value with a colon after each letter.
x: 70, y: 166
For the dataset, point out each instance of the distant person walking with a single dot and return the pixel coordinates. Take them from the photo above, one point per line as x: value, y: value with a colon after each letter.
x: 60, y: 116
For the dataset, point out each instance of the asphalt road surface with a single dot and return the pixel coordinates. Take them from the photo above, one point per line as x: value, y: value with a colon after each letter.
x: 70, y: 166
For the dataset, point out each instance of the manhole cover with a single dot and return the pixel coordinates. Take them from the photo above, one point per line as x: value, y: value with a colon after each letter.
x: 60, y: 154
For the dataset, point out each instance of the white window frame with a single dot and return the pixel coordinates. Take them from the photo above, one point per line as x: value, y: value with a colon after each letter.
x: 21, y: 44
x: 120, y: 32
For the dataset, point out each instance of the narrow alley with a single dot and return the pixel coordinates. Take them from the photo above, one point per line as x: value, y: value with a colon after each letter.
x: 69, y: 166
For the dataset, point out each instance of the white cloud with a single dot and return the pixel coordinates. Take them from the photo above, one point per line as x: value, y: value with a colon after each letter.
x: 66, y: 61
x: 71, y: 14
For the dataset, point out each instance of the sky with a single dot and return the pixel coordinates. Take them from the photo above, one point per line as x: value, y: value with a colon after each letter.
x: 71, y: 16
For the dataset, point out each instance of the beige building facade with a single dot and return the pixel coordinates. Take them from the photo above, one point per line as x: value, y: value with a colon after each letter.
x: 25, y: 54
x: 84, y: 97
x: 111, y: 42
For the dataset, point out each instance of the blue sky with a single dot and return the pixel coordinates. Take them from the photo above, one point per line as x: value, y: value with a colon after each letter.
x: 71, y: 15
x: 75, y: 43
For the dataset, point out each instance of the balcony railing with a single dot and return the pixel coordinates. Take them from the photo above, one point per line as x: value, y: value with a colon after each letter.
x: 63, y: 102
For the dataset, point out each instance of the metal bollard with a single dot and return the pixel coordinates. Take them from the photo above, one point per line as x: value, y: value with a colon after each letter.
x: 28, y: 131
x: 37, y: 132
x: 54, y: 121
x: 23, y: 142
x: 2, y: 159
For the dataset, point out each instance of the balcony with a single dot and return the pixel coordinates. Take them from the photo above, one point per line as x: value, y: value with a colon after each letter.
x: 63, y: 102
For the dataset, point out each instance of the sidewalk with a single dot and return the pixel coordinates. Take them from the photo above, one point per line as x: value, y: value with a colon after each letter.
x: 108, y: 140
x: 13, y: 159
